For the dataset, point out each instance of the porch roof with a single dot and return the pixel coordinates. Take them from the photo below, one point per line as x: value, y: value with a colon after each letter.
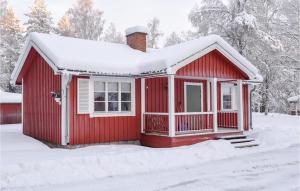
x: 78, y: 56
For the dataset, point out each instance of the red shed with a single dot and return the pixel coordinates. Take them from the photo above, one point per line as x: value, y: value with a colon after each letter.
x: 82, y: 92
x: 10, y: 108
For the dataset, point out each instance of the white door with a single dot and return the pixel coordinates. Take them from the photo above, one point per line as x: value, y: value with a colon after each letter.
x: 193, y: 97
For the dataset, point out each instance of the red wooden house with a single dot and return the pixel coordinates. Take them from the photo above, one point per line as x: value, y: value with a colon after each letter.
x: 82, y: 92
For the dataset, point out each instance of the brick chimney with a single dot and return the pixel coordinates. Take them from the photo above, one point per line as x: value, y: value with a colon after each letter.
x: 136, y: 37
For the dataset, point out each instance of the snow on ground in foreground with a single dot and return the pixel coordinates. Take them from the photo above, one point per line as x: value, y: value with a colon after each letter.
x: 28, y: 164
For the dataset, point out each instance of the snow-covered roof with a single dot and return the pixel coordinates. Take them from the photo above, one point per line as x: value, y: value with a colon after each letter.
x: 6, y: 97
x: 136, y: 29
x: 103, y: 58
x: 294, y: 98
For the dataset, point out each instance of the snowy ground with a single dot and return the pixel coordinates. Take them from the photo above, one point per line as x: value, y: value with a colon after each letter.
x: 27, y: 164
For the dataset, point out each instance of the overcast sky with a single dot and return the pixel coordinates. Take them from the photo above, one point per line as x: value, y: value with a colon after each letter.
x: 173, y: 14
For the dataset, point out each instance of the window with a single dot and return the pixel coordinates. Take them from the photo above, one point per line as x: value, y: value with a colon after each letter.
x: 111, y: 96
x: 228, y: 97
x: 193, y: 97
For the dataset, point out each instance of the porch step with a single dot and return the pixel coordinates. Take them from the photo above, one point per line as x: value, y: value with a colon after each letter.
x: 230, y: 137
x: 246, y: 144
x: 244, y: 140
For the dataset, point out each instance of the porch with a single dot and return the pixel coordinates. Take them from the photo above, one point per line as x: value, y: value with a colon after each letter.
x: 177, y: 125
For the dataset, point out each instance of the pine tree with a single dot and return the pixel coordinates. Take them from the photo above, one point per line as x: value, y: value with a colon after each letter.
x: 11, y: 42
x: 86, y: 22
x: 153, y: 33
x: 39, y: 18
x: 112, y: 35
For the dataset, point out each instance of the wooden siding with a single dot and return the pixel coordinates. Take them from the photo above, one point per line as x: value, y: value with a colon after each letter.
x: 10, y: 113
x: 87, y: 130
x: 156, y: 95
x: 213, y: 64
x: 42, y: 115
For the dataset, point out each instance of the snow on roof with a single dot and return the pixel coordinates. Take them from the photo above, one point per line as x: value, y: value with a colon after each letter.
x: 86, y: 56
x: 135, y: 29
x: 294, y: 98
x: 6, y: 97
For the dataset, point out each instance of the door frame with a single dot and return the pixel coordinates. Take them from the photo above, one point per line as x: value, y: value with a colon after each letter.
x: 185, y: 93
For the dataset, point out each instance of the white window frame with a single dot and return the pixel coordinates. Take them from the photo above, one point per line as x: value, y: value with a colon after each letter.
x: 112, y: 113
x: 233, y: 96
x: 185, y: 91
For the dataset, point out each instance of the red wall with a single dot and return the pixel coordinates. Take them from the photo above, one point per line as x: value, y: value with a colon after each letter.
x: 85, y: 130
x: 10, y: 113
x: 42, y: 115
x: 213, y: 64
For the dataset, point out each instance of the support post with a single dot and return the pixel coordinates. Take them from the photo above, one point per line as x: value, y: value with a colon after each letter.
x: 214, y: 103
x: 171, y: 95
x: 65, y: 81
x: 240, y: 105
x: 142, y: 104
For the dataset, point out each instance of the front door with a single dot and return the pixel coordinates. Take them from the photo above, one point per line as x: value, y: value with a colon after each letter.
x: 193, y: 97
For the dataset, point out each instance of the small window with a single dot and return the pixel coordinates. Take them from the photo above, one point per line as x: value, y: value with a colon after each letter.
x: 113, y: 96
x: 228, y: 97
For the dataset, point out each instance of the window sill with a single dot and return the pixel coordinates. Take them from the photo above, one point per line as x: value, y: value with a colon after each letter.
x: 113, y: 114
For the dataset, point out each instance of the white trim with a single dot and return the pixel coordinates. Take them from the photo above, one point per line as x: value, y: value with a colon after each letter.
x: 65, y: 81
x: 233, y: 96
x: 171, y: 95
x: 142, y: 104
x: 193, y: 113
x: 214, y: 104
x: 208, y: 95
x: 107, y: 113
x: 185, y: 96
x: 155, y: 113
x: 215, y: 46
x: 22, y: 104
x: 19, y: 65
x: 240, y: 106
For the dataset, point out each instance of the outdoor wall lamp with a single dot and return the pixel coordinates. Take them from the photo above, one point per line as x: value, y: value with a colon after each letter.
x: 56, y: 96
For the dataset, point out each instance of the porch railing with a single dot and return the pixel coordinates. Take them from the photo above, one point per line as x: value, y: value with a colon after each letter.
x: 193, y: 122
x: 156, y: 123
x: 185, y: 123
x: 228, y: 119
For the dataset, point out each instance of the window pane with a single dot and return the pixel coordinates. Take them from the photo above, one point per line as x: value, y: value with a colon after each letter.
x: 125, y: 96
x: 112, y: 106
x: 99, y: 106
x: 99, y: 96
x: 125, y: 87
x: 113, y: 96
x: 227, y: 105
x: 226, y: 90
x: 99, y: 86
x: 226, y: 97
x: 126, y: 106
x: 113, y: 86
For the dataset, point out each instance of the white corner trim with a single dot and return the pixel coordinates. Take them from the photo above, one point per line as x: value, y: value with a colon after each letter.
x: 107, y: 113
x: 142, y: 103
x: 22, y: 58
x: 240, y: 106
x: 185, y: 93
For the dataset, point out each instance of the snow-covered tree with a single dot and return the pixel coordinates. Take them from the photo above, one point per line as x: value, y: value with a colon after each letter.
x: 112, y: 35
x: 173, y: 38
x: 153, y: 33
x: 262, y: 31
x: 39, y: 18
x: 86, y: 21
x: 3, y: 8
x: 11, y: 41
x: 64, y: 26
